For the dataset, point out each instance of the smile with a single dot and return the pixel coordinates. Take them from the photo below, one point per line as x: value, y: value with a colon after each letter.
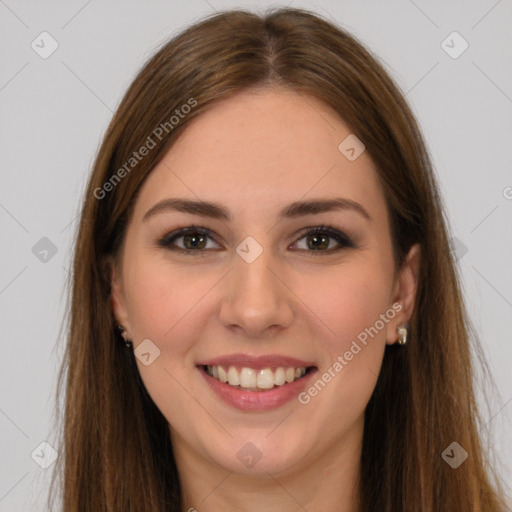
x: 251, y: 379
x: 256, y: 383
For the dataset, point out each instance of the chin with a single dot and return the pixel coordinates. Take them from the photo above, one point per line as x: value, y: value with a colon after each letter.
x: 257, y: 454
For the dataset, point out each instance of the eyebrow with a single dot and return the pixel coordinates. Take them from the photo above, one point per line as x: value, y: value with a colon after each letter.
x: 293, y: 210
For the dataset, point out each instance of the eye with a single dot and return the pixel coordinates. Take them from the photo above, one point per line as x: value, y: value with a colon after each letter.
x: 319, y: 238
x: 194, y: 240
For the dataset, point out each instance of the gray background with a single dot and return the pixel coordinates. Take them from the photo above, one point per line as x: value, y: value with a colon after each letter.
x: 54, y: 112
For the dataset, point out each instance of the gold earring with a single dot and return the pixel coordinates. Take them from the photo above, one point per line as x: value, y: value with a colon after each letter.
x: 402, y: 335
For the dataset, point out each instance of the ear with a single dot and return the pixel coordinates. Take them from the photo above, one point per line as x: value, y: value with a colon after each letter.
x: 404, y: 293
x: 118, y: 298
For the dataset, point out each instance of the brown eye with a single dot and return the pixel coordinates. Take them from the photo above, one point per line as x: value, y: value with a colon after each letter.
x: 319, y: 240
x: 193, y: 240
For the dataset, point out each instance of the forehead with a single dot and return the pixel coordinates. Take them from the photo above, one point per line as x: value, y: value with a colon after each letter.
x: 258, y: 150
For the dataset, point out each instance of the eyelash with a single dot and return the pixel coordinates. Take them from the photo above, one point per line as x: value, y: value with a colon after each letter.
x: 344, y: 240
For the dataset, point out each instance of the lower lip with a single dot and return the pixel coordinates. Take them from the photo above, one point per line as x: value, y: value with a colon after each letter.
x: 257, y: 400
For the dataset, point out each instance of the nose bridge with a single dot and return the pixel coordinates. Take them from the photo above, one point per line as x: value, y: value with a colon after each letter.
x: 255, y: 299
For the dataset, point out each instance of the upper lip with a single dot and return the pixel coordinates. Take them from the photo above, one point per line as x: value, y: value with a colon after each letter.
x: 256, y: 362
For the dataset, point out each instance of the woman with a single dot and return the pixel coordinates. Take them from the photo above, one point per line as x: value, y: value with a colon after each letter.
x: 265, y: 312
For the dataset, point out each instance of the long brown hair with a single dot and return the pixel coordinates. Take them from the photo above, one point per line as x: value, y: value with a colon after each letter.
x: 116, y: 453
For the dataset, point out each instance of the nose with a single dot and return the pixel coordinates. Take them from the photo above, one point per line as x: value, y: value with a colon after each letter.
x: 256, y: 300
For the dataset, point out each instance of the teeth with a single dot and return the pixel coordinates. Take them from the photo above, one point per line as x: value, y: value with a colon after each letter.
x: 223, y: 377
x: 266, y: 379
x: 248, y: 378
x: 233, y: 377
x: 280, y: 377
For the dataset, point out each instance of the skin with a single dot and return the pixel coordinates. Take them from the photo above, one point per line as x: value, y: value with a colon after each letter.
x: 254, y: 153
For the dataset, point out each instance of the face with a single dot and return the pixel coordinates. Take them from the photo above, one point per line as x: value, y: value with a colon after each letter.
x: 258, y: 289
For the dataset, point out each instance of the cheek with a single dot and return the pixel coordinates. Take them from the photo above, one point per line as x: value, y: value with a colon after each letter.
x: 346, y: 303
x: 351, y: 305
x: 165, y: 305
x: 162, y: 298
